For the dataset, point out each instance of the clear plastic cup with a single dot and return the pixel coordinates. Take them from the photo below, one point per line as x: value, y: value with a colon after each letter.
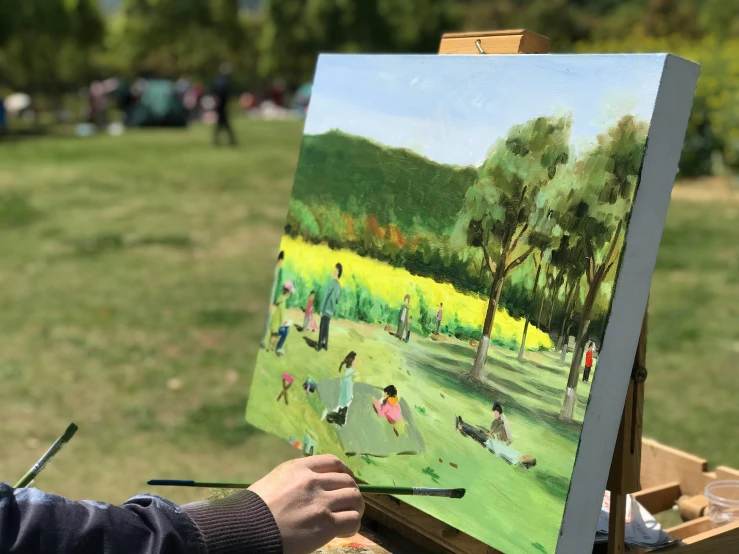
x: 723, y: 502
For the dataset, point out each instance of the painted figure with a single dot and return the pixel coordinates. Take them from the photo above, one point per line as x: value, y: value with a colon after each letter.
x: 408, y: 329
x: 273, y: 297
x: 439, y: 316
x: 588, y: 362
x: 328, y: 307
x: 403, y: 316
x: 389, y: 408
x: 346, y: 391
x: 280, y: 327
x: 498, y: 439
x: 309, y: 322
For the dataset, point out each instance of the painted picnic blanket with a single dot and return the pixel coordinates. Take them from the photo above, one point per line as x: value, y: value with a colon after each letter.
x: 364, y: 432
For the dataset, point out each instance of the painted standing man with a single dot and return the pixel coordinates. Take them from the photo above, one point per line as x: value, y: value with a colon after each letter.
x: 403, y: 316
x: 273, y: 297
x: 328, y: 306
x: 588, y: 362
x: 439, y: 316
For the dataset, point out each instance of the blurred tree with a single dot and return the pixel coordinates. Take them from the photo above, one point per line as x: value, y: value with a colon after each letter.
x: 48, y: 44
x: 296, y: 31
x: 170, y: 38
x: 719, y: 18
x: 669, y: 17
x: 503, y: 213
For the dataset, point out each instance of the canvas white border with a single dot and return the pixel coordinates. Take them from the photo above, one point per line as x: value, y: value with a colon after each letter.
x: 603, y: 414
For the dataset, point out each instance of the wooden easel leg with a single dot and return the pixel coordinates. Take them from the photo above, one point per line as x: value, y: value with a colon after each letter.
x: 624, y: 477
x: 617, y: 524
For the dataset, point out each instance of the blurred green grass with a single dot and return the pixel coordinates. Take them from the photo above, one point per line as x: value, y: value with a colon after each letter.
x: 132, y: 279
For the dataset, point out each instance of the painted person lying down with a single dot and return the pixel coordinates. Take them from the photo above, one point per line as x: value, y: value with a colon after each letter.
x: 297, y: 508
x: 498, y: 439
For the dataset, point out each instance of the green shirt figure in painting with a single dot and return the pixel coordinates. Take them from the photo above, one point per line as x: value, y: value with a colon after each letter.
x: 279, y: 326
x: 272, y: 297
x: 328, y: 306
x: 403, y: 316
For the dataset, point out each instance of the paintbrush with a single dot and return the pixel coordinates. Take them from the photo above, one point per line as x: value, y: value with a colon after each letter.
x: 366, y: 489
x: 46, y: 458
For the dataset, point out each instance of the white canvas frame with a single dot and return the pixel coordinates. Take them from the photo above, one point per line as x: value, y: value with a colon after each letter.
x: 608, y: 392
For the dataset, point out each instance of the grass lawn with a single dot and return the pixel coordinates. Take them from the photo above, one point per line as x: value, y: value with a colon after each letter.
x: 525, y: 505
x: 132, y: 284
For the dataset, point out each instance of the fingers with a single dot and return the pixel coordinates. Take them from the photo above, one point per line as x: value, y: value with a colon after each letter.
x: 336, y: 481
x: 345, y: 500
x: 347, y: 523
x: 326, y: 463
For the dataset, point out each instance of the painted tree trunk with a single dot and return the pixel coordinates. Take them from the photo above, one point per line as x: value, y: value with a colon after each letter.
x: 478, y: 367
x: 528, y: 313
x: 551, y: 310
x: 563, y: 352
x: 570, y: 399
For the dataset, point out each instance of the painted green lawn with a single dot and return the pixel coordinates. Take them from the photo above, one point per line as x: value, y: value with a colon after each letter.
x: 133, y: 266
x: 525, y: 507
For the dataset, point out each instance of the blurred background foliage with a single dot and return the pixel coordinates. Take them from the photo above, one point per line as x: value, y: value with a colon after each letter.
x: 49, y: 48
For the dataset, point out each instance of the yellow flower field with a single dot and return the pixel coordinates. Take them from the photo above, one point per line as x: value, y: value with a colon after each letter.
x: 389, y: 284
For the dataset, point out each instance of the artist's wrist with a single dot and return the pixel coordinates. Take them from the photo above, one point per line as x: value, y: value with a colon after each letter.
x: 241, y: 522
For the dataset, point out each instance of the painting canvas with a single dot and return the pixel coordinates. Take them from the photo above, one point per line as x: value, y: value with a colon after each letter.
x: 466, y: 262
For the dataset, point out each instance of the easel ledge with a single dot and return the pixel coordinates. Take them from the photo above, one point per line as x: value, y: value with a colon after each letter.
x: 668, y: 473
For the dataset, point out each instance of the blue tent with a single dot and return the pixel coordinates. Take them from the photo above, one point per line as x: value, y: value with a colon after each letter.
x: 159, y: 106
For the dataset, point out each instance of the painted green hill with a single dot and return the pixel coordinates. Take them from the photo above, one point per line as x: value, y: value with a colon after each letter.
x: 392, y: 183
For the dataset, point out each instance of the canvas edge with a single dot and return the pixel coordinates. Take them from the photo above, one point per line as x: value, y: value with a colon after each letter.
x: 278, y: 244
x: 603, y: 414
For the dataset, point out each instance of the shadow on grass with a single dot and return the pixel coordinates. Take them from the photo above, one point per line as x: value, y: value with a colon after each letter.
x: 18, y: 135
x: 218, y: 422
x: 107, y: 243
x: 556, y: 485
x: 310, y: 342
x: 16, y: 210
x: 487, y: 393
x: 221, y: 317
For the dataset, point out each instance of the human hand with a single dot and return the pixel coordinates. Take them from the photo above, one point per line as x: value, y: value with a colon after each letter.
x: 313, y: 501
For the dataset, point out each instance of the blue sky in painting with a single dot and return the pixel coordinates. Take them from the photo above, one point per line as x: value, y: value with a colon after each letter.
x: 453, y: 108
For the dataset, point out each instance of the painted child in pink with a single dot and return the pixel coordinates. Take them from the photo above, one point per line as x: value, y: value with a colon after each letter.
x: 389, y: 408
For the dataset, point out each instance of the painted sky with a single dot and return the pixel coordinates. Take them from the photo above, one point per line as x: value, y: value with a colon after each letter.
x: 453, y: 108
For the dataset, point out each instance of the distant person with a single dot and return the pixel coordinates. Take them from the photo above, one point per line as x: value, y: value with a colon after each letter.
x: 328, y: 306
x: 588, y: 362
x: 309, y: 323
x: 280, y: 326
x: 403, y: 316
x: 222, y: 93
x: 408, y: 329
x: 273, y: 296
x: 98, y: 105
x: 2, y: 115
x: 439, y: 316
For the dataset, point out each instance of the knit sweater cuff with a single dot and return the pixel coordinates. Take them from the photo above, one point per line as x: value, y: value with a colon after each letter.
x: 239, y: 523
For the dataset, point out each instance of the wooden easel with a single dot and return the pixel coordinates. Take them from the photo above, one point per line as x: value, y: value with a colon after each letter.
x: 392, y: 519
